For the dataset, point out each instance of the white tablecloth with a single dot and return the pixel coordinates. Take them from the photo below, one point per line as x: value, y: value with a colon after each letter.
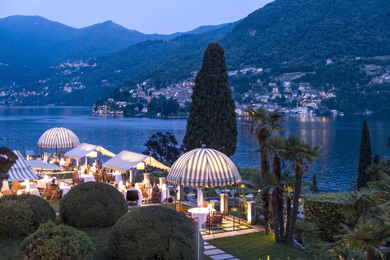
x: 65, y: 189
x: 34, y: 192
x: 5, y: 186
x: 87, y: 177
x: 42, y: 183
x: 201, y: 214
x: 139, y: 203
x: 164, y: 193
x: 118, y: 177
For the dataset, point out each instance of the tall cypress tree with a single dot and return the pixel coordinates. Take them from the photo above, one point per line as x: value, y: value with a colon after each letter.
x: 212, y: 120
x: 365, y: 157
x: 314, y: 183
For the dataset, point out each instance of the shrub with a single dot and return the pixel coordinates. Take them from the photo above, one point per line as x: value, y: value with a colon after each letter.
x: 56, y: 242
x: 92, y: 204
x: 15, y: 218
x: 42, y: 211
x: 154, y: 232
x: 326, y: 211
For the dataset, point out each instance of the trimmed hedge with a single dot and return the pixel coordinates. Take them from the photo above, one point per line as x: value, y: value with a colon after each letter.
x: 15, y: 218
x: 61, y: 242
x: 326, y: 211
x: 154, y: 232
x: 92, y: 204
x: 41, y: 210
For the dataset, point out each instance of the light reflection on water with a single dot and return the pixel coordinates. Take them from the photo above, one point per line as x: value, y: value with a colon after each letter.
x: 339, y: 136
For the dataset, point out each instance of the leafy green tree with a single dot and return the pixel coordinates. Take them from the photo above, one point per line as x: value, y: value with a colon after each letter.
x: 164, y: 147
x: 365, y: 157
x: 212, y: 120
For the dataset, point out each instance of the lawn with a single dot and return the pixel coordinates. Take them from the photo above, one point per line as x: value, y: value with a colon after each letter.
x: 99, y: 237
x: 257, y: 246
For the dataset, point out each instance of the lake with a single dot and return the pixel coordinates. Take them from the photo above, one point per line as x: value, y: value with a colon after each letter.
x: 336, y: 170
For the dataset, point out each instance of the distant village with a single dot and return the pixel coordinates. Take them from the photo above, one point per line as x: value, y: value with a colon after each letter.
x: 280, y: 92
x: 301, y: 99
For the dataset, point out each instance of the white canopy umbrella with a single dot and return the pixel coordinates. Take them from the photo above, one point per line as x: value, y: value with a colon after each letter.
x: 58, y: 137
x: 204, y: 167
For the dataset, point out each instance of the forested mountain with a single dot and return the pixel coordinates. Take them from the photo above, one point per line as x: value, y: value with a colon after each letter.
x: 330, y: 40
x: 30, y: 44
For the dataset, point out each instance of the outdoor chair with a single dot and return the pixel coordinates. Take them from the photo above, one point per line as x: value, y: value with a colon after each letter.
x: 76, y: 178
x: 132, y: 197
x: 53, y: 192
x: 206, y: 204
x: 108, y: 178
x: 15, y: 187
x: 216, y: 219
x: 179, y: 208
x: 156, y: 195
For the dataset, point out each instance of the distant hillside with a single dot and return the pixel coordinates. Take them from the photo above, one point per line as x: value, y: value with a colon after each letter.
x: 332, y: 39
x: 284, y: 36
x: 304, y: 33
x: 30, y: 44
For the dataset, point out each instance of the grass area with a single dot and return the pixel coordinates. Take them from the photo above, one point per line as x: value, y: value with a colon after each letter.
x: 99, y: 236
x: 257, y: 246
x: 172, y: 206
x: 55, y: 204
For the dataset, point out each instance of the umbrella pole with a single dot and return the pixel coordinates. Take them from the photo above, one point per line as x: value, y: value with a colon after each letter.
x: 239, y: 205
x: 234, y: 199
x: 209, y: 206
x: 180, y: 193
x: 175, y: 195
x: 227, y: 201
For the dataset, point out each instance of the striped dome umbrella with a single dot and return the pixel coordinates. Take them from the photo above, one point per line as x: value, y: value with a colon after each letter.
x: 58, y: 137
x: 204, y: 167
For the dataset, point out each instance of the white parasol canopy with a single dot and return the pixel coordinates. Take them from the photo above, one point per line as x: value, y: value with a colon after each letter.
x: 204, y: 167
x: 58, y: 137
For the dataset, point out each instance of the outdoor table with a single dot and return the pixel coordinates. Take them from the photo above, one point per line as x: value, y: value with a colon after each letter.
x: 34, y: 192
x: 5, y: 186
x: 33, y: 185
x: 87, y: 177
x: 65, y: 189
x: 164, y: 192
x: 118, y: 177
x: 42, y: 183
x: 201, y: 214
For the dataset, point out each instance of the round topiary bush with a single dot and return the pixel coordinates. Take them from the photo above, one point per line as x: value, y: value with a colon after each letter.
x: 15, y: 218
x: 154, y: 232
x: 42, y: 212
x: 56, y: 242
x: 92, y: 204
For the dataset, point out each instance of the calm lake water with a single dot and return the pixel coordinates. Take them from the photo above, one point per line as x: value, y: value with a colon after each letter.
x: 336, y: 170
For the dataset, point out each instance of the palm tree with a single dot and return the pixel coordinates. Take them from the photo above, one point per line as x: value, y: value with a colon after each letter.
x: 380, y: 193
x: 260, y: 124
x: 360, y: 205
x: 368, y: 235
x: 298, y: 153
x: 275, y: 147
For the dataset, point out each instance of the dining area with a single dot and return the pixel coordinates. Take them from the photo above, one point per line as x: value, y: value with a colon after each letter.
x: 204, y: 168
